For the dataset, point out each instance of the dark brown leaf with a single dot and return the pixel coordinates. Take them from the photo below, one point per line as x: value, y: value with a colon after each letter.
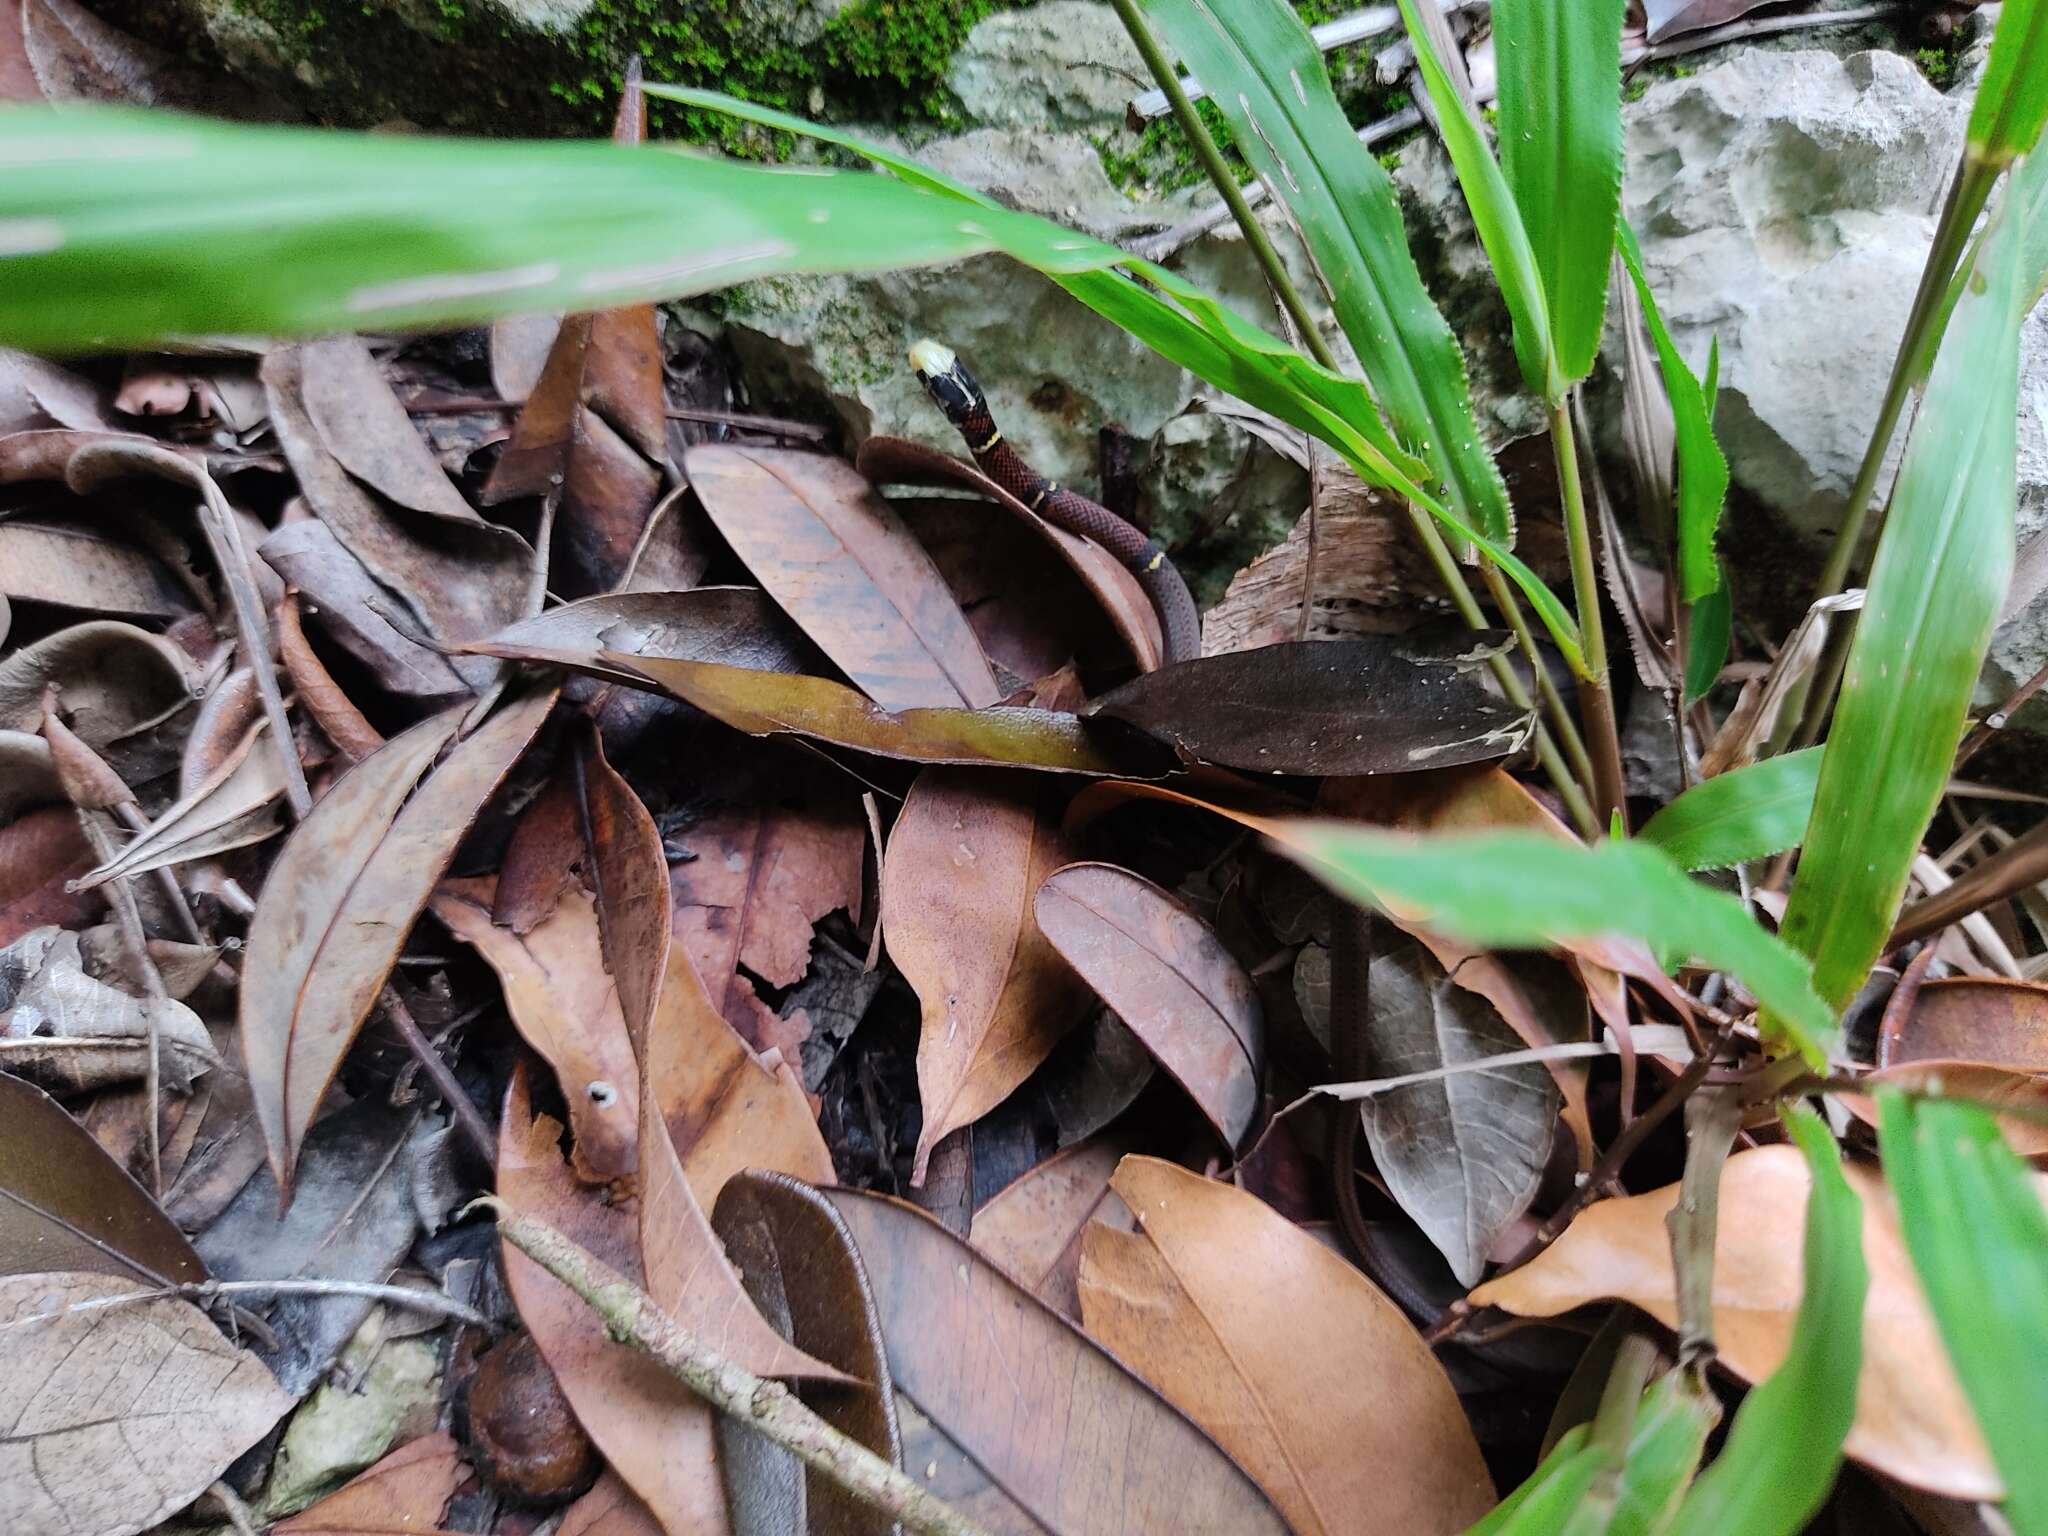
x: 841, y: 563
x: 117, y: 1417
x: 1462, y: 1153
x: 341, y: 898
x: 66, y: 1205
x: 765, y: 704
x: 797, y: 1260
x: 1061, y: 1426
x: 319, y: 695
x: 67, y: 565
x: 1032, y: 1229
x: 965, y: 857
x: 629, y: 877
x: 1169, y: 978
x: 542, y: 859
x: 1669, y: 18
x: 1114, y: 589
x: 363, y: 426
x: 39, y: 853
x: 118, y: 682
x: 345, y: 602
x: 1340, y: 707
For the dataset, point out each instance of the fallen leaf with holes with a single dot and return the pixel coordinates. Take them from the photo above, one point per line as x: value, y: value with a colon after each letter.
x: 113, y: 1417
x: 1298, y: 1364
x: 1912, y: 1420
x: 567, y: 1008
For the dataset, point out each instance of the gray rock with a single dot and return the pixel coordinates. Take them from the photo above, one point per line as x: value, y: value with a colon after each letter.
x: 1219, y: 497
x: 1060, y: 64
x: 546, y: 15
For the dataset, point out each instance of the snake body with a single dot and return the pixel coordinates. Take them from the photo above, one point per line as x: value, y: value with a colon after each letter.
x: 954, y: 390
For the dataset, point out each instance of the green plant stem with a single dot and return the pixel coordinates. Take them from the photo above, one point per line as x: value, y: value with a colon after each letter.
x: 1204, y: 145
x: 1563, y: 726
x: 1290, y: 299
x: 1596, y: 694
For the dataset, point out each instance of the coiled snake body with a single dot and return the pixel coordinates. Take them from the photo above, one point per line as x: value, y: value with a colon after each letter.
x: 956, y: 393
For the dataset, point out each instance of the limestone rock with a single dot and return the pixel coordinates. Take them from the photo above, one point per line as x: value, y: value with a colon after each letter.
x: 1059, y: 64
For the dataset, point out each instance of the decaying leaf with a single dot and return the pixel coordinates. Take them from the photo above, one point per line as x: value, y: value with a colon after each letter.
x: 567, y: 1006
x: 39, y: 854
x: 965, y: 858
x: 841, y: 563
x: 629, y: 878
x: 63, y: 1027
x: 1987, y: 1019
x: 66, y: 1205
x: 1033, y: 1228
x: 1169, y: 978
x: 1064, y: 1429
x: 235, y: 805
x: 340, y: 899
x: 115, y: 1416
x: 405, y: 1494
x: 1463, y: 1154
x: 69, y: 565
x: 117, y: 682
x: 1912, y: 1420
x: 1300, y: 1367
x: 734, y: 626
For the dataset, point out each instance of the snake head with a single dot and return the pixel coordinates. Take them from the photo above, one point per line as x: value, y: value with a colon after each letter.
x: 946, y: 380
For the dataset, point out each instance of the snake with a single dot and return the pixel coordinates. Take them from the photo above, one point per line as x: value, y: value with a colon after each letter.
x: 954, y: 390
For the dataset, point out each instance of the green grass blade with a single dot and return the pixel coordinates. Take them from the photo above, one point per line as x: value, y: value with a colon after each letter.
x: 1747, y: 813
x: 1975, y: 1226
x: 1266, y: 75
x: 1706, y: 646
x: 1547, y: 1498
x: 1525, y: 890
x: 1495, y: 216
x: 1560, y: 150
x: 1942, y: 567
x: 1702, y: 467
x: 1782, y: 1451
x: 2012, y: 99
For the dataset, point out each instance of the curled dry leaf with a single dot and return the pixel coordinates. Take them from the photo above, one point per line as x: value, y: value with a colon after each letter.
x: 113, y: 1417
x: 629, y: 876
x: 405, y: 1494
x: 1032, y: 1228
x: 1070, y: 1434
x: 69, y: 1030
x: 2025, y: 1093
x: 341, y: 898
x: 348, y: 605
x: 1912, y: 1420
x: 1987, y: 1019
x: 1295, y: 708
x: 567, y: 1008
x: 117, y: 681
x: 1115, y: 589
x: 841, y: 563
x: 1169, y: 978
x: 1296, y: 1362
x: 67, y: 565
x: 965, y: 857
x: 765, y: 704
x: 1463, y: 1153
x: 319, y: 695
x: 797, y: 1259
x: 234, y: 806
x: 361, y: 423
x: 66, y: 1205
x: 654, y: 1433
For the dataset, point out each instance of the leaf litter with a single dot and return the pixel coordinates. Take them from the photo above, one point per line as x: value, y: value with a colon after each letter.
x: 695, y: 851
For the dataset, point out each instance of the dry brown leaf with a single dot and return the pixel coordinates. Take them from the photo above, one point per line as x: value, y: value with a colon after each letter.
x: 724, y: 1110
x: 839, y: 560
x: 544, y: 855
x: 369, y: 433
x: 966, y: 856
x: 1291, y: 1358
x: 68, y: 565
x: 1987, y: 1019
x: 629, y: 876
x: 341, y: 898
x: 1986, y: 1082
x: 72, y: 1032
x: 1912, y: 1420
x: 114, y: 1417
x: 404, y: 1494
x: 655, y: 1434
x: 319, y: 694
x: 1032, y: 1228
x: 567, y: 1008
x: 609, y: 1509
x: 39, y: 853
x: 760, y: 873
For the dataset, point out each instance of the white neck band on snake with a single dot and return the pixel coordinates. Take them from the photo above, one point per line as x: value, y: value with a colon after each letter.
x: 955, y: 392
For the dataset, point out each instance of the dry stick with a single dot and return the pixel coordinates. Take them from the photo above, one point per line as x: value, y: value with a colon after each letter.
x: 214, y: 1290
x: 2020, y: 864
x: 475, y: 1129
x: 238, y: 1514
x: 1426, y: 531
x: 1999, y: 719
x: 770, y: 1409
x: 1711, y: 1120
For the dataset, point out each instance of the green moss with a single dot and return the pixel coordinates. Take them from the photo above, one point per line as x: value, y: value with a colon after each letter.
x: 1942, y: 64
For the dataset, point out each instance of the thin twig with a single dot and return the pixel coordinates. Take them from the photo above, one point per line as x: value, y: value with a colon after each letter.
x: 203, y: 1291
x: 1712, y: 1117
x: 1998, y: 719
x: 238, y: 1514
x: 475, y: 1128
x: 2020, y: 864
x: 770, y: 1409
x: 1596, y: 690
